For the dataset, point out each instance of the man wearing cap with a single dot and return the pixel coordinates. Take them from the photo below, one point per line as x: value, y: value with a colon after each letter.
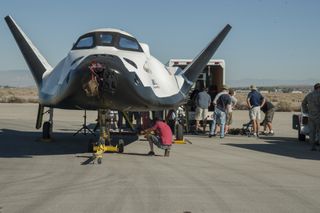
x: 222, y: 103
x: 254, y: 101
x: 311, y: 105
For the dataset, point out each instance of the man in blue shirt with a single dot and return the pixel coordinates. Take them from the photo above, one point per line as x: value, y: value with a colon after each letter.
x: 254, y: 101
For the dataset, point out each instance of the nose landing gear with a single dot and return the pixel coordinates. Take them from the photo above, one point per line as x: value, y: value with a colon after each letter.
x: 104, y: 143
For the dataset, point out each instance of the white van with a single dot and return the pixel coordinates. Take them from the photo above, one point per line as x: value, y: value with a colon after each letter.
x: 212, y: 75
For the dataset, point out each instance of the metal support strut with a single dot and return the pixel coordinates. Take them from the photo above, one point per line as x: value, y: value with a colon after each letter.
x: 51, y: 119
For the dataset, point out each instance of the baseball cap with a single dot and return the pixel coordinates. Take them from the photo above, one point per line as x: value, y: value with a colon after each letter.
x: 253, y: 87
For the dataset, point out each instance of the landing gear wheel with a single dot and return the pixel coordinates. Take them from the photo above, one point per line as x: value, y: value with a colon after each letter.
x: 301, y: 137
x: 90, y: 146
x: 179, y: 132
x: 99, y: 160
x: 46, y: 130
x: 121, y: 146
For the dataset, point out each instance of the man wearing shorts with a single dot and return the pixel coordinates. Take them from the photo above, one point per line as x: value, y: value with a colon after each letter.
x: 268, y: 109
x: 203, y: 101
x: 231, y: 107
x: 162, y: 136
x: 254, y: 101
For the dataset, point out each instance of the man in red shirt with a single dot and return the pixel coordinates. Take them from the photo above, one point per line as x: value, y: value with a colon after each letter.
x: 162, y: 136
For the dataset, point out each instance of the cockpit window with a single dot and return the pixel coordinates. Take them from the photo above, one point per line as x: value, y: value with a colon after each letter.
x: 117, y: 40
x: 106, y: 39
x: 129, y: 44
x: 85, y: 42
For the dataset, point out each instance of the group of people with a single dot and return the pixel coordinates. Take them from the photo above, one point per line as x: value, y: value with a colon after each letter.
x: 160, y: 134
x: 256, y: 103
x: 223, y: 104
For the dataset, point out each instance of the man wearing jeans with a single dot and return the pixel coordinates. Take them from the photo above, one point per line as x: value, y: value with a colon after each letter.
x: 222, y: 103
x: 255, y: 100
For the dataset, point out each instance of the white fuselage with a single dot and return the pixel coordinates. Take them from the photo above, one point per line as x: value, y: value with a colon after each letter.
x: 152, y: 73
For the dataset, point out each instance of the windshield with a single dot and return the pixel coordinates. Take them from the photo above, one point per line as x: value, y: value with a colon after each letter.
x: 129, y: 44
x: 106, y: 39
x: 117, y: 40
x: 85, y: 42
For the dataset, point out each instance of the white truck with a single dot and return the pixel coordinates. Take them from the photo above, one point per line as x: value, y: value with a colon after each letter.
x: 300, y: 123
x: 212, y: 75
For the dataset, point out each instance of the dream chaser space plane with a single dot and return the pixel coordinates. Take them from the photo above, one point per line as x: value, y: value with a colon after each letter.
x: 109, y: 69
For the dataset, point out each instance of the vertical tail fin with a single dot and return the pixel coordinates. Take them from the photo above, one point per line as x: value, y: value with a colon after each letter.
x: 192, y: 71
x: 36, y: 62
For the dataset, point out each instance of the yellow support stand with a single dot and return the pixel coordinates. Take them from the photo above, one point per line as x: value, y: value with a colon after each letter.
x: 104, y: 148
x: 179, y: 142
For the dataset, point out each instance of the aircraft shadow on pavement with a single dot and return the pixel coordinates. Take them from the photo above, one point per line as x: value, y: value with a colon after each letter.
x: 26, y: 144
x: 141, y: 154
x: 283, y: 146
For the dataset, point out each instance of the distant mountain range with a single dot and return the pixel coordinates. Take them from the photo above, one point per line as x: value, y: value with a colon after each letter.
x: 16, y: 78
x: 270, y: 82
x: 23, y: 78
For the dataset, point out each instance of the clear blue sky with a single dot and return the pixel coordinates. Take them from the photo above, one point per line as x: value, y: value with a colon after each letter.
x: 270, y: 39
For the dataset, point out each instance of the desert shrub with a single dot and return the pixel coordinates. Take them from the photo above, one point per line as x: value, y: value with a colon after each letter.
x: 241, y: 105
x: 284, y: 106
x: 274, y: 100
x: 32, y: 100
x: 14, y: 99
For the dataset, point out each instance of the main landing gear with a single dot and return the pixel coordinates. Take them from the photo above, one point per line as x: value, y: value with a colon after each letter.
x: 47, y: 126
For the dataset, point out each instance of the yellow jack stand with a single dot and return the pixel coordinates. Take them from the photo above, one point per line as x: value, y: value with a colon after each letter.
x: 104, y: 148
x: 179, y: 141
x: 99, y: 150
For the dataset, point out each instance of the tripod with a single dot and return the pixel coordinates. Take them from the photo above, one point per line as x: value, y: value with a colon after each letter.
x: 84, y: 127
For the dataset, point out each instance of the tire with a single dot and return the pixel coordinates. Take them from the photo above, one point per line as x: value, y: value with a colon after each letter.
x: 179, y: 132
x: 46, y: 133
x: 301, y: 137
x: 90, y: 146
x: 121, y: 146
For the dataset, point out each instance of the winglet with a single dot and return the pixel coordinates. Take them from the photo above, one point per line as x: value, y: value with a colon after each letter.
x: 36, y: 62
x: 192, y: 71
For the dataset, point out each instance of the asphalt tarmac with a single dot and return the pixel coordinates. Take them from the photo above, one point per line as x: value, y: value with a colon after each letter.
x: 234, y: 174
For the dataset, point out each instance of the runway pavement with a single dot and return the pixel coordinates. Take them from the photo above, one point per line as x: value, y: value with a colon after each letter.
x: 234, y: 174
